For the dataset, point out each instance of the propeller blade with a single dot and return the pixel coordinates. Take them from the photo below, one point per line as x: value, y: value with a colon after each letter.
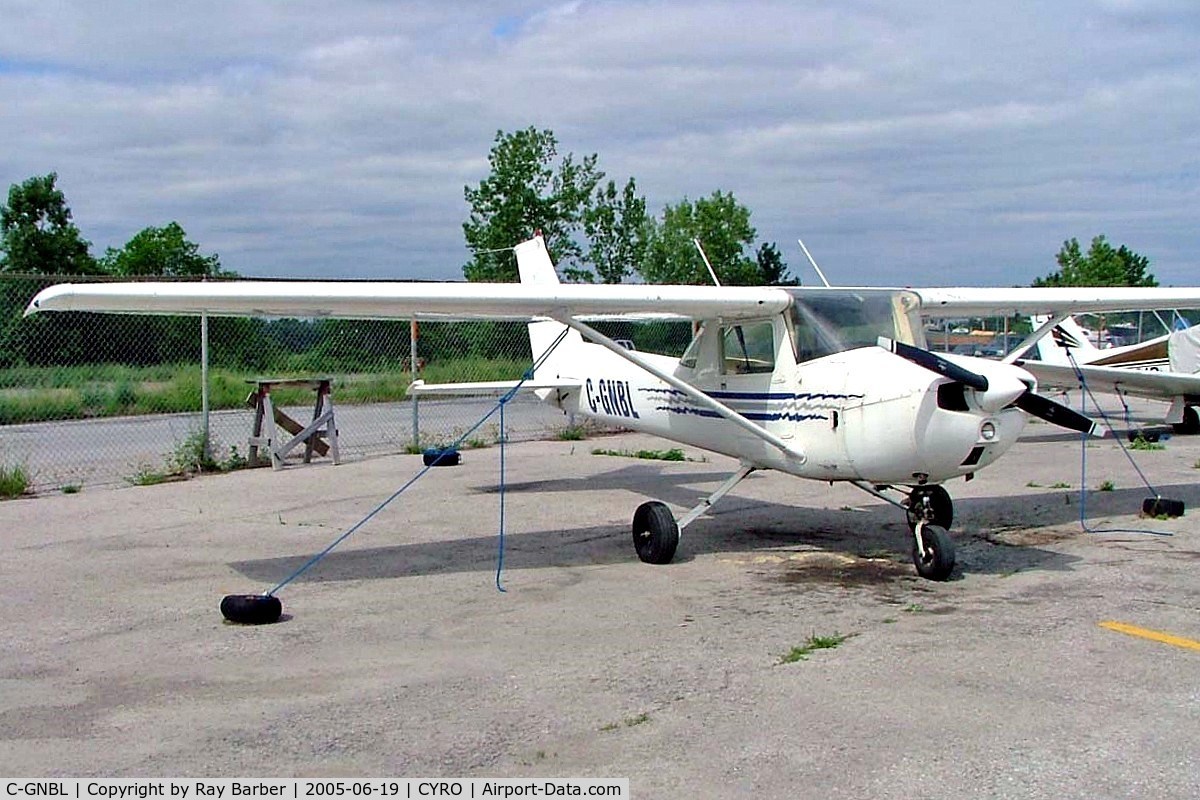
x: 1056, y: 413
x: 935, y: 363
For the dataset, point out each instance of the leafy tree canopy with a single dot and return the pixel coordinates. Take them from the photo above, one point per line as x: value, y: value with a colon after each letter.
x: 523, y: 193
x: 162, y: 251
x: 37, y: 234
x: 723, y: 227
x: 773, y: 270
x: 1102, y: 265
x: 615, y: 225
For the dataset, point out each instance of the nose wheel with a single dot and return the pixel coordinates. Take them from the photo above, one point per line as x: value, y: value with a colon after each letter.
x: 933, y: 551
x: 930, y: 513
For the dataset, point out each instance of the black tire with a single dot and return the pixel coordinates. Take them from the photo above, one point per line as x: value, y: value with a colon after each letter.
x: 930, y: 504
x: 655, y: 533
x: 1162, y: 507
x: 1191, y: 421
x: 434, y: 457
x: 251, y: 609
x: 937, y: 562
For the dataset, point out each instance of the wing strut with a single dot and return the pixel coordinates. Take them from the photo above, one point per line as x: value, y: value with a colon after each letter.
x: 1034, y: 338
x: 700, y: 397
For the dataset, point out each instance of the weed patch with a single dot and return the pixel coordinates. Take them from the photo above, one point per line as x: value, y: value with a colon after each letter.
x: 814, y: 643
x: 629, y: 722
x: 14, y: 481
x: 674, y: 454
x: 572, y: 433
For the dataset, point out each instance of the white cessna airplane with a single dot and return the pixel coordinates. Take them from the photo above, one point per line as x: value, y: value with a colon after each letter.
x: 831, y: 384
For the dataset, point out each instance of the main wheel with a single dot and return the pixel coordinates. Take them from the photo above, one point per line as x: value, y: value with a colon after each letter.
x: 936, y: 560
x: 655, y: 533
x: 1191, y: 421
x: 930, y: 504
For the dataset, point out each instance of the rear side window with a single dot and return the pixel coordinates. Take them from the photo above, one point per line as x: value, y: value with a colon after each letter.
x: 748, y: 348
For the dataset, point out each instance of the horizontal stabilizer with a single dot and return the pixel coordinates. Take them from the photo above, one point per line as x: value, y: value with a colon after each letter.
x: 484, y: 388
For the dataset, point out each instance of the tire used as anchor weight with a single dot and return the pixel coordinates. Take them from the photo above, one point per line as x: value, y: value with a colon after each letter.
x: 936, y: 561
x: 251, y: 609
x: 655, y: 533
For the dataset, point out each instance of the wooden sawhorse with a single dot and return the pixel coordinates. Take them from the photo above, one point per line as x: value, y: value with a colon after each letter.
x: 267, y: 416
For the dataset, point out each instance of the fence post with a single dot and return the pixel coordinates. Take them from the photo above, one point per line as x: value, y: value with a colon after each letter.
x: 413, y: 368
x: 204, y: 384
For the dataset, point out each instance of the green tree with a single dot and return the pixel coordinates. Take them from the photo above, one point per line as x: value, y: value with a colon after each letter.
x: 524, y: 193
x: 773, y: 270
x: 723, y: 227
x: 162, y: 251
x: 615, y: 225
x: 1102, y: 265
x: 37, y: 234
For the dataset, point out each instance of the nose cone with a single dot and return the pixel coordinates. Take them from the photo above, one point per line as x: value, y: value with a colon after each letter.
x: 1005, y: 382
x: 1002, y: 391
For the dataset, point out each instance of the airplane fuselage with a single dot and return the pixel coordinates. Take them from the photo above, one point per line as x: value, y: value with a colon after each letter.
x: 860, y: 414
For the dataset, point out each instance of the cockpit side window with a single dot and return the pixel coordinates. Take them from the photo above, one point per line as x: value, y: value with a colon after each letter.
x: 748, y: 348
x: 688, y: 359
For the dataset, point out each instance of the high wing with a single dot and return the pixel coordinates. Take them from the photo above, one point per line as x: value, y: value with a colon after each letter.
x: 400, y: 300
x: 1057, y: 301
x: 395, y: 300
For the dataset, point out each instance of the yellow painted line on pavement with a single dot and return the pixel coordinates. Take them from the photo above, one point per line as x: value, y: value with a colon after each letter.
x: 1154, y: 636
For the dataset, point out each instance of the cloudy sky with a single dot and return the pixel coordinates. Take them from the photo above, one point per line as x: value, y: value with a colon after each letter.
x: 918, y: 142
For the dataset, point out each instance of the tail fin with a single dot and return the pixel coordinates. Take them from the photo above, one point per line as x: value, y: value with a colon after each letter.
x: 536, y: 268
x: 1066, y: 337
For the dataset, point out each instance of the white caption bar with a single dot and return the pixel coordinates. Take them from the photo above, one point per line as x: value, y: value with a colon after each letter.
x: 312, y: 789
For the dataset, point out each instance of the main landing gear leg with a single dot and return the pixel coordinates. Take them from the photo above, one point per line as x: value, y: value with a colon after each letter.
x: 930, y: 512
x: 655, y: 531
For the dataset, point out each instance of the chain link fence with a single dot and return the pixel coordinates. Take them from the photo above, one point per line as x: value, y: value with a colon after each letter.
x: 94, y: 399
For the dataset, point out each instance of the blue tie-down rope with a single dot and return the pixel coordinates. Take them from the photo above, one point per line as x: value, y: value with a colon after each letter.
x: 1084, y: 394
x: 498, y: 407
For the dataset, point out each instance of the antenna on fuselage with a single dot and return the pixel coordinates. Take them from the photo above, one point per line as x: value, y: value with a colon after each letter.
x: 812, y: 261
x: 708, y: 264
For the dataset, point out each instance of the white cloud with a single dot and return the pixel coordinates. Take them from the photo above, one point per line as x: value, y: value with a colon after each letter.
x: 920, y: 143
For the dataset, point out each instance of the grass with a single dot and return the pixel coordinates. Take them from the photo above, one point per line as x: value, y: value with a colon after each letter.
x: 629, y: 722
x: 39, y: 394
x: 190, y: 457
x: 814, y: 643
x: 1060, y: 485
x: 572, y: 433
x: 14, y: 482
x: 674, y: 454
x: 1107, y: 486
x: 1141, y: 443
x: 147, y: 475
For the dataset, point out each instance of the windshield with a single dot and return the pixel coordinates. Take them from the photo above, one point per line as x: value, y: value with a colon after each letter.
x: 827, y: 321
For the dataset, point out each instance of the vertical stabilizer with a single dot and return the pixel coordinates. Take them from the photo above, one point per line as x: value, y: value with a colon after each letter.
x: 1065, y: 337
x: 536, y: 268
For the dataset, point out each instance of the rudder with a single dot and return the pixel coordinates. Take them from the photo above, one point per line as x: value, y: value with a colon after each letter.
x: 536, y: 269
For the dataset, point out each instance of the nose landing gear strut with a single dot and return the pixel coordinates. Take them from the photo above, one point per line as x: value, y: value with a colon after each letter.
x: 930, y: 512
